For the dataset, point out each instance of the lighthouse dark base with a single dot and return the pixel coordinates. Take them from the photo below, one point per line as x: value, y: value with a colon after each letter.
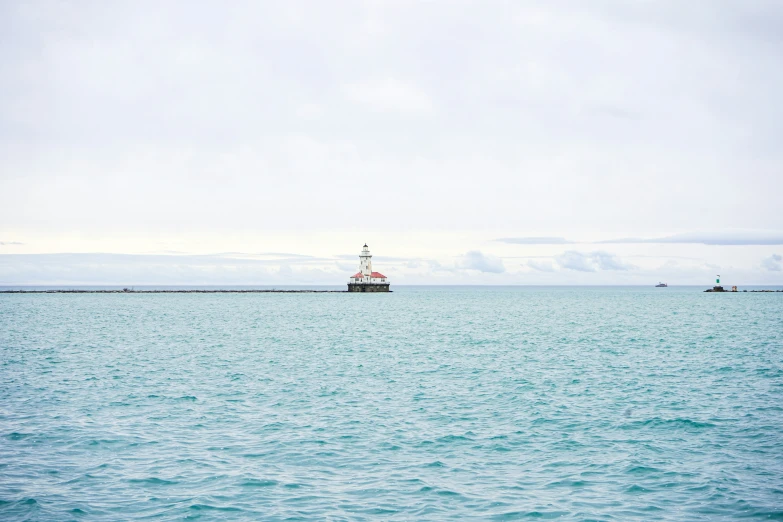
x: 368, y: 287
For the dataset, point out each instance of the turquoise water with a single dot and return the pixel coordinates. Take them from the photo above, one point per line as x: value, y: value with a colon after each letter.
x: 423, y: 404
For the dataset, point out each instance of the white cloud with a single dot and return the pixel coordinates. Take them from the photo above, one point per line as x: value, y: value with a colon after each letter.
x: 475, y: 260
x: 606, y: 261
x: 389, y: 94
x: 534, y: 240
x: 309, y: 111
x: 573, y: 260
x: 435, y: 266
x: 591, y: 261
x: 773, y: 263
x: 541, y: 265
x: 348, y: 268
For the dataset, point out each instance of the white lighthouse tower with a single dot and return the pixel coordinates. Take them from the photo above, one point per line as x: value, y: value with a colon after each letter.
x: 365, y: 261
x: 365, y: 280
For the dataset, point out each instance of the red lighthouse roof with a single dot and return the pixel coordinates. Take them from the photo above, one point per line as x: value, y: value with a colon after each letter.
x: 377, y: 274
x: 357, y: 275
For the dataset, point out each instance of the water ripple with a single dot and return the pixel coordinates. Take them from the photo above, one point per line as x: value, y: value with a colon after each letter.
x: 432, y: 404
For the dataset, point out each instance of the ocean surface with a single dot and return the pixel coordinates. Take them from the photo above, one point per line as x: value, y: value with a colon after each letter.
x: 444, y: 403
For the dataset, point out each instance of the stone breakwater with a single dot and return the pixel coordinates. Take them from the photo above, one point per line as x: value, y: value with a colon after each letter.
x: 720, y: 289
x: 127, y: 291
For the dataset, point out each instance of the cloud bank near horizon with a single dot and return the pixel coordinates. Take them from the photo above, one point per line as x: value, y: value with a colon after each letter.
x: 473, y: 267
x: 719, y: 238
x: 715, y: 238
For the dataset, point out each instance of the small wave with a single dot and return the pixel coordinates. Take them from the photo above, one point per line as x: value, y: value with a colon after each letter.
x: 17, y: 436
x: 255, y: 455
x: 379, y: 511
x: 676, y: 423
x: 207, y: 507
x: 259, y: 483
x: 104, y: 442
x: 569, y: 483
x: 452, y: 438
x: 153, y: 481
x: 541, y: 420
x: 301, y: 500
x: 448, y: 493
x: 766, y: 515
x: 642, y: 469
x: 515, y: 515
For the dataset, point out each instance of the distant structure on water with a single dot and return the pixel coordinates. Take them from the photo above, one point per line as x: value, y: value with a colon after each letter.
x: 719, y: 288
x: 661, y: 285
x: 365, y: 280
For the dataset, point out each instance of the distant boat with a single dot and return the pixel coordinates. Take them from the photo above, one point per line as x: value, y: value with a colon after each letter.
x: 661, y: 285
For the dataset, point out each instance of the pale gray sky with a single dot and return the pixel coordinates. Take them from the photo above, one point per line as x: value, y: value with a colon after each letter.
x: 467, y: 142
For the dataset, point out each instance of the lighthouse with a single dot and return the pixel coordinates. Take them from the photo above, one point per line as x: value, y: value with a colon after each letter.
x: 365, y: 261
x: 365, y: 280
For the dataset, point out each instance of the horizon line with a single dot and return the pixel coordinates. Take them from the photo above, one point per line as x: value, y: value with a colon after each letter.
x: 126, y: 285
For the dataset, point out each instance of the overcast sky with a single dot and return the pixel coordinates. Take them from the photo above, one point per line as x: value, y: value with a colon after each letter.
x: 493, y: 142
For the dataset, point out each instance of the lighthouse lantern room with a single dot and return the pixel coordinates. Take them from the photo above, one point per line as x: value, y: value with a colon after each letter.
x: 365, y: 280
